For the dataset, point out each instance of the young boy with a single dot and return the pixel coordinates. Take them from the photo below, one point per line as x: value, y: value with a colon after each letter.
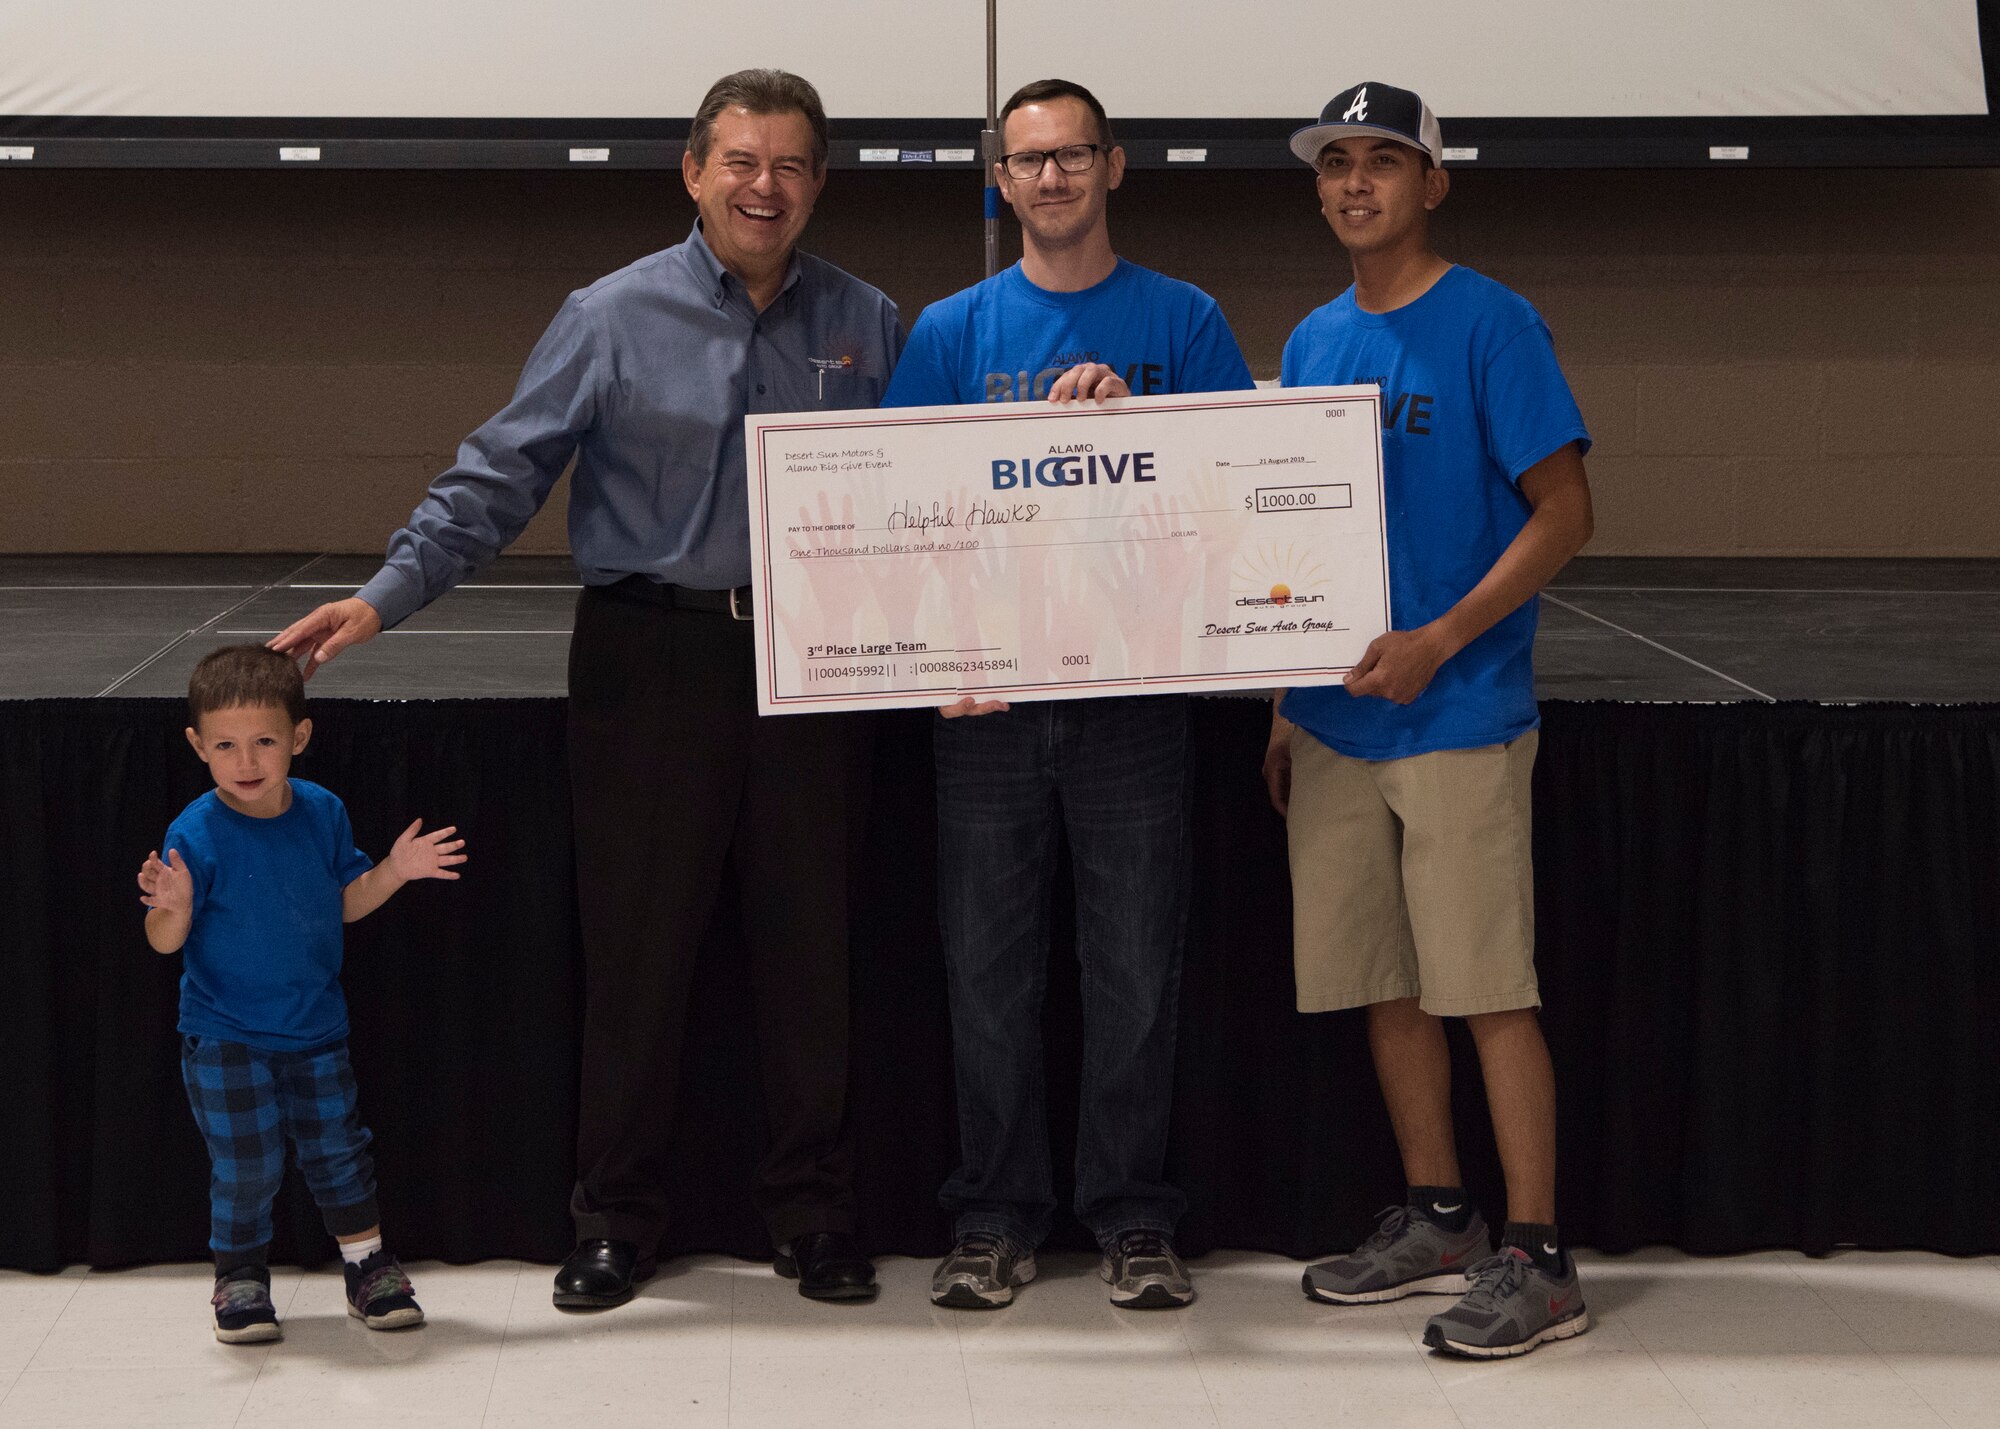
x: 1407, y: 791
x: 259, y: 874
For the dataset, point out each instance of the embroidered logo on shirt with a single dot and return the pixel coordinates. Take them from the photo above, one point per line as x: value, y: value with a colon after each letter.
x: 824, y: 365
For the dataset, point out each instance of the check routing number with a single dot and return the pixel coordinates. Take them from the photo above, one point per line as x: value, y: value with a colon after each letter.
x: 1028, y: 551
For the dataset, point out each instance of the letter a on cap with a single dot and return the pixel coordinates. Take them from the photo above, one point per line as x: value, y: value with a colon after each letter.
x: 1373, y: 108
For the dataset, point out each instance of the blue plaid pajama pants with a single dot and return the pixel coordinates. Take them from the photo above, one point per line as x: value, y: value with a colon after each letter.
x: 246, y: 1102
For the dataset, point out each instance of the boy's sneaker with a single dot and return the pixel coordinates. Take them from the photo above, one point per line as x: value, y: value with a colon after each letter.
x: 1513, y: 1306
x: 980, y: 1274
x: 244, y: 1314
x: 1145, y: 1274
x: 1409, y: 1254
x: 379, y: 1295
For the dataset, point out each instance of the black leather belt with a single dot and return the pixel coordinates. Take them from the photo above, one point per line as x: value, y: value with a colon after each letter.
x: 734, y: 602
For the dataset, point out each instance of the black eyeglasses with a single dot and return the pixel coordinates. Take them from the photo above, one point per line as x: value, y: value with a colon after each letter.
x: 1070, y: 158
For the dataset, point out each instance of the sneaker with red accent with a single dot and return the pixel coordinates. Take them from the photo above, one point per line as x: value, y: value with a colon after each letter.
x: 380, y: 1296
x: 1513, y: 1306
x: 1409, y: 1254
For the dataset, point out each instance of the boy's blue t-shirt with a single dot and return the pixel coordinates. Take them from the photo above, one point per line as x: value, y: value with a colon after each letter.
x: 261, y: 964
x: 1472, y: 397
x: 1006, y: 340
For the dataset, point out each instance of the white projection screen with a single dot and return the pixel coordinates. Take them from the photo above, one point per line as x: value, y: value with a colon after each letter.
x: 527, y: 83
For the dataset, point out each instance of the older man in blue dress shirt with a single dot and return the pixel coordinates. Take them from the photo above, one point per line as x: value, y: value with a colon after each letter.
x: 644, y: 377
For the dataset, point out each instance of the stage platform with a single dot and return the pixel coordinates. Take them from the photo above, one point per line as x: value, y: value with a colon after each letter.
x: 1831, y: 631
x: 1767, y: 850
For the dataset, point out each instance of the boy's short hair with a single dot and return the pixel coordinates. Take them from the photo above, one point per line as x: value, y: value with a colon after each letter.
x: 1041, y: 91
x: 240, y: 675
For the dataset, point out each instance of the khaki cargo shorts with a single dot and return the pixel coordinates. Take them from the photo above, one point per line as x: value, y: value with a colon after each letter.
x: 1413, y: 878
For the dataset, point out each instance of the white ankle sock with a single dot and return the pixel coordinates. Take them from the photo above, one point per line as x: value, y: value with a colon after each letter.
x: 354, y: 1252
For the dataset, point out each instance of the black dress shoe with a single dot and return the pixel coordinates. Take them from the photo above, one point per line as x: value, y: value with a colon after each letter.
x: 828, y: 1266
x: 599, y: 1274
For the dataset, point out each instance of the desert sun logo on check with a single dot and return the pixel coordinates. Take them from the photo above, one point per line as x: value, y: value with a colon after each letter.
x: 1278, y: 579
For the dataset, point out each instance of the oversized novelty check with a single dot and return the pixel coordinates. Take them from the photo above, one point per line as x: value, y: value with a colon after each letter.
x: 1028, y: 551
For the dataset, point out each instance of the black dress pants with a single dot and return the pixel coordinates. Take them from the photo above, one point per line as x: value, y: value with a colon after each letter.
x: 674, y: 774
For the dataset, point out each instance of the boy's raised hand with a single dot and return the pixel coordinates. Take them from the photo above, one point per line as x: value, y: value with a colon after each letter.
x: 426, y: 855
x: 167, y: 886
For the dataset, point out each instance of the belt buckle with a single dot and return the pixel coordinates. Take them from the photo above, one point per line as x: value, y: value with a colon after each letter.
x: 734, y: 613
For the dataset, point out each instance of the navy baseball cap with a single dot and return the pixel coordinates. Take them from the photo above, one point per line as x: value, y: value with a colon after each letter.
x: 1379, y: 109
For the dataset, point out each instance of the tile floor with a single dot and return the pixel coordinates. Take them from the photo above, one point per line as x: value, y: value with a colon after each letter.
x: 1887, y: 1341
x: 1612, y: 628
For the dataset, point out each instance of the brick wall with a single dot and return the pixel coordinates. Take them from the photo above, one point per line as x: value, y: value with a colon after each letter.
x: 1793, y: 363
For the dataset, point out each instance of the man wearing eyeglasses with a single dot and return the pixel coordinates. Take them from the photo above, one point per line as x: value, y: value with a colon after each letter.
x: 1070, y: 321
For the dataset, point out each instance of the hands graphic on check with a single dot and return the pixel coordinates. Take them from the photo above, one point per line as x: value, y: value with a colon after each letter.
x: 1063, y: 549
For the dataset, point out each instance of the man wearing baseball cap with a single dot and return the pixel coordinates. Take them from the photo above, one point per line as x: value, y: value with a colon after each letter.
x: 1406, y: 792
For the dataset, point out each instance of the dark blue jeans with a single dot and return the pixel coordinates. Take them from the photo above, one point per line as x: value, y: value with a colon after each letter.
x: 1114, y: 772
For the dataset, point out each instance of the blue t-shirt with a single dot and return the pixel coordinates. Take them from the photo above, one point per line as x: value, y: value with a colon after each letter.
x: 1006, y: 340
x: 1471, y: 398
x: 261, y: 964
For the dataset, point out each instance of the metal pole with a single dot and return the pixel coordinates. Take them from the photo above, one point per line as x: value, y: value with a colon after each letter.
x: 989, y: 138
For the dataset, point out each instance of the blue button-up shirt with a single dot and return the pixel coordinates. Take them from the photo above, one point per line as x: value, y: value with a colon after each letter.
x: 645, y: 377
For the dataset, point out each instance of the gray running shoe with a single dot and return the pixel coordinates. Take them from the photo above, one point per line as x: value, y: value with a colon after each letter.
x: 981, y: 1273
x: 1407, y: 1255
x: 1145, y: 1274
x: 1513, y: 1306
